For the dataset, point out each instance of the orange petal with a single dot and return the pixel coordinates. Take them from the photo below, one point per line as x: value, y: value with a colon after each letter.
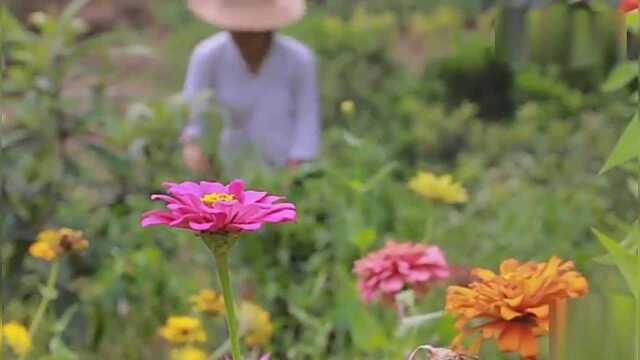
x: 567, y: 266
x: 509, y: 314
x: 540, y: 312
x: 509, y: 265
x: 528, y: 343
x: 493, y: 330
x: 509, y: 340
x: 483, y: 274
x: 515, y: 301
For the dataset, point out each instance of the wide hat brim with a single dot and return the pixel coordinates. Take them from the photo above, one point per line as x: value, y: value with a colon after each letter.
x: 247, y: 15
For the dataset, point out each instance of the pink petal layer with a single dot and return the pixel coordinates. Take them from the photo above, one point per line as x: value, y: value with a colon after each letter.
x: 398, y: 266
x: 247, y: 212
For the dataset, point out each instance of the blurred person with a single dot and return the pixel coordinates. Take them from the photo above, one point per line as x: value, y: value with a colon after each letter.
x: 264, y: 82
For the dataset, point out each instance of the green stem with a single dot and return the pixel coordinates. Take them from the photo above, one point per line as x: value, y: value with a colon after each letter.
x: 637, y: 314
x: 47, y: 295
x: 232, y: 322
x: 2, y: 265
x: 220, y: 247
x: 636, y: 299
x: 429, y: 226
x: 637, y: 330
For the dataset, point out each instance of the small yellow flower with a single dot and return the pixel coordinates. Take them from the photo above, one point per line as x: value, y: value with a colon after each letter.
x: 17, y: 337
x: 440, y: 189
x: 347, y: 107
x: 183, y: 329
x: 208, y: 301
x: 53, y: 243
x: 188, y: 353
x: 255, y: 325
x: 43, y: 251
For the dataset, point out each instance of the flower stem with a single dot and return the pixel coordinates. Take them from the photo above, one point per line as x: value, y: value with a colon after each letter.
x: 47, y: 295
x: 429, y: 227
x: 637, y: 330
x: 220, y: 247
x: 557, y: 330
x: 232, y: 322
x: 636, y: 299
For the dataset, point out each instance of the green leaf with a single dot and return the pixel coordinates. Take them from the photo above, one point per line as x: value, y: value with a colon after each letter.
x: 118, y: 165
x: 366, y: 331
x: 627, y: 262
x: 62, y: 323
x: 50, y: 294
x: 417, y: 321
x: 627, y: 148
x: 60, y: 351
x: 631, y: 244
x: 621, y: 76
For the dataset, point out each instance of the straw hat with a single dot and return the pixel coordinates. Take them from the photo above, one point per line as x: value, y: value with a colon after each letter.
x: 248, y: 15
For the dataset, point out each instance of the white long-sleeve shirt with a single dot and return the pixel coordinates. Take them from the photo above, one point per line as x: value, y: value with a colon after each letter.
x: 274, y: 111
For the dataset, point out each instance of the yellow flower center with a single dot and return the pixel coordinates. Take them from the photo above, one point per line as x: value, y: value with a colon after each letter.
x: 212, y: 199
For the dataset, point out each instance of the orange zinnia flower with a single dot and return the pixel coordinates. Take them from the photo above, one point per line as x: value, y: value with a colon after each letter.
x: 513, y: 306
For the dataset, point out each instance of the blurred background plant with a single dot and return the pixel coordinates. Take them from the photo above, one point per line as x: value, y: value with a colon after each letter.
x: 90, y: 126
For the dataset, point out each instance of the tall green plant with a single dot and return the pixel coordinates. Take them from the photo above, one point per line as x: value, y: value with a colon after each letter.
x: 626, y: 255
x: 41, y: 119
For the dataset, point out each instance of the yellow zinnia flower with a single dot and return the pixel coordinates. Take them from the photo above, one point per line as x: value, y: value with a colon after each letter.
x: 255, y: 325
x: 183, y: 329
x: 440, y: 189
x: 208, y: 301
x: 17, y: 337
x: 53, y: 243
x: 188, y: 353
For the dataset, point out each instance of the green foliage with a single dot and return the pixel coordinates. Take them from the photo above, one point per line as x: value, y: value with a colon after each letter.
x: 628, y: 262
x: 532, y: 84
x: 475, y: 74
x: 621, y: 76
x: 627, y: 147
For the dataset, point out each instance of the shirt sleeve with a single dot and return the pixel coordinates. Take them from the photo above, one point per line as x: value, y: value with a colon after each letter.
x: 306, y: 140
x: 198, y: 88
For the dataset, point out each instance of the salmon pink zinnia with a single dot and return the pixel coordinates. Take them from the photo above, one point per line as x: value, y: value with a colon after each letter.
x: 628, y: 5
x: 213, y: 208
x: 399, y: 266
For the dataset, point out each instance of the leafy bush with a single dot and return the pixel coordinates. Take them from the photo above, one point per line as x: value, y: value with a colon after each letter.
x: 475, y: 74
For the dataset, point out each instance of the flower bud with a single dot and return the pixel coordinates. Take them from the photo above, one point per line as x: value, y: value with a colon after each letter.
x: 348, y: 108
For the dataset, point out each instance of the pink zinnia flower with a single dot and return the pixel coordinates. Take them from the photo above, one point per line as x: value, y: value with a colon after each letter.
x: 213, y: 208
x: 399, y: 266
x: 628, y: 5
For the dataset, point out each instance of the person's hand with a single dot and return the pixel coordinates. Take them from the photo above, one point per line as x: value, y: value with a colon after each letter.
x: 293, y: 164
x: 195, y: 159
